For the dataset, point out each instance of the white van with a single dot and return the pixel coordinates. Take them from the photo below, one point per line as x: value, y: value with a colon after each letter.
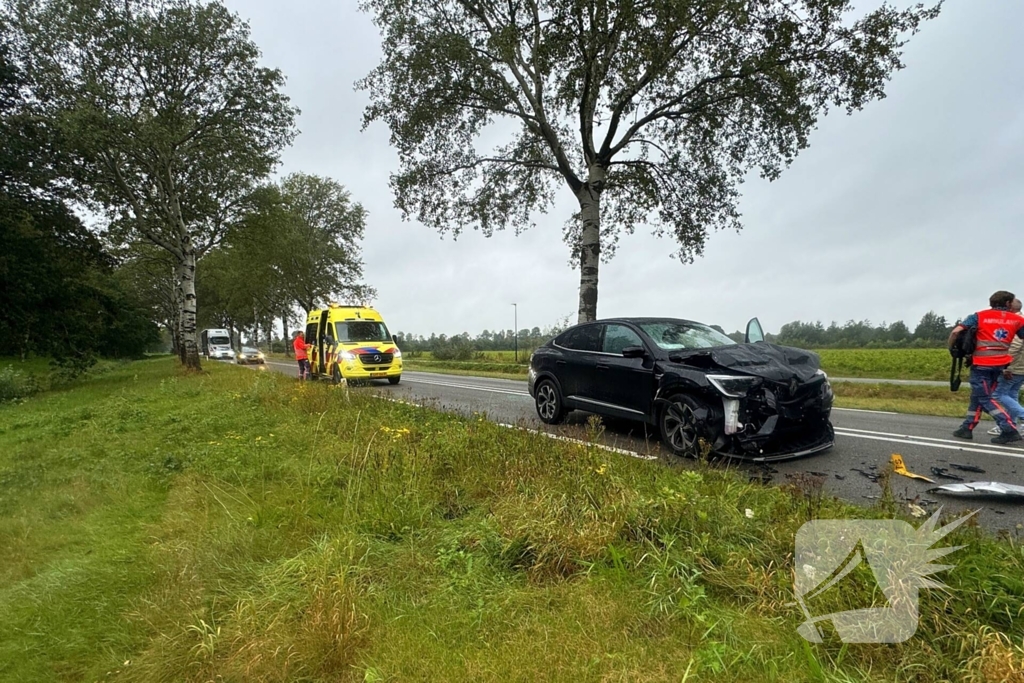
x: 216, y: 344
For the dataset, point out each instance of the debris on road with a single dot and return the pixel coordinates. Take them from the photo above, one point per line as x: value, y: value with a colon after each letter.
x: 943, y: 473
x: 869, y: 475
x: 987, y: 489
x: 966, y: 468
x: 917, y: 510
x: 899, y: 468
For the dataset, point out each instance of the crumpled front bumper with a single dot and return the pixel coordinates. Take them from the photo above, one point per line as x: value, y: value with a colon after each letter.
x: 779, y: 422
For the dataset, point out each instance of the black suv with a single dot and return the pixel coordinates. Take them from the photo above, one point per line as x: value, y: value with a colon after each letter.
x: 753, y: 400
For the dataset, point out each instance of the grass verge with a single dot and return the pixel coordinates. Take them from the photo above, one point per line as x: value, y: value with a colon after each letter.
x: 239, y: 526
x: 916, y: 400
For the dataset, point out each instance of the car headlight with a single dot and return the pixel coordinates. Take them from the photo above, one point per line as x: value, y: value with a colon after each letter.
x: 822, y: 373
x: 348, y: 355
x: 398, y: 353
x: 259, y: 355
x: 732, y: 386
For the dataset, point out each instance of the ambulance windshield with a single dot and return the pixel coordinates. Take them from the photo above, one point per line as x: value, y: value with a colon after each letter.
x: 362, y: 331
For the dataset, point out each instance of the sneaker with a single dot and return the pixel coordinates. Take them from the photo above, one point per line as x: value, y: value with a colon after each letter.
x: 963, y: 433
x: 1008, y: 437
x: 995, y: 431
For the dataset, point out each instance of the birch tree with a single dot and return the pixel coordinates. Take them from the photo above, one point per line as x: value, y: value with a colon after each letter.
x: 649, y: 112
x: 171, y: 120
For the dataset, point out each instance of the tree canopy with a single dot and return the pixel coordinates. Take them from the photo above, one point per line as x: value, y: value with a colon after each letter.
x: 647, y: 112
x: 169, y: 120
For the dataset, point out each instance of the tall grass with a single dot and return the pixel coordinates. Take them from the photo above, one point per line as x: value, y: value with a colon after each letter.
x: 240, y: 526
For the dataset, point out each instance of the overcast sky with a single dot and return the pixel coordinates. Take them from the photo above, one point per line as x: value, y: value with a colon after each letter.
x: 913, y: 204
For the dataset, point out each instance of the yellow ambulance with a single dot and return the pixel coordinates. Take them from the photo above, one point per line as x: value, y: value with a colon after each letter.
x: 352, y: 343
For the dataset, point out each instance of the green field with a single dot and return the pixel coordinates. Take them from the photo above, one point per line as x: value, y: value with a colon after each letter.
x: 239, y: 526
x: 926, y: 364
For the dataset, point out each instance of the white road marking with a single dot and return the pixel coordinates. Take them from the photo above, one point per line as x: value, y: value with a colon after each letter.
x: 861, y: 410
x: 930, y: 443
x: 472, y: 387
x: 932, y: 438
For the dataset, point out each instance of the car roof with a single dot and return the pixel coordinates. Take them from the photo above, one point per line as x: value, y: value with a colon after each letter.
x: 641, y: 320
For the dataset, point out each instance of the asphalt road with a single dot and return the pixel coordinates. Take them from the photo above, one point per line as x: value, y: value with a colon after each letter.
x: 865, y: 441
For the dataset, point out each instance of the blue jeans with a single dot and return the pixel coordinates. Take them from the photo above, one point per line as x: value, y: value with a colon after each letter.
x: 1008, y: 394
x: 983, y: 384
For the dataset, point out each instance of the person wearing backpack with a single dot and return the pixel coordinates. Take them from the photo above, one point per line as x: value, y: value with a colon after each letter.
x: 995, y: 329
x: 1007, y: 391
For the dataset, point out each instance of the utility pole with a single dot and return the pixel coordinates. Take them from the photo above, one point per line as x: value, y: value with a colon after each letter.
x: 515, y: 330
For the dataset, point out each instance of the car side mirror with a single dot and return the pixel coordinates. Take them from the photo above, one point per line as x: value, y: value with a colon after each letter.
x: 394, y: 338
x: 634, y: 352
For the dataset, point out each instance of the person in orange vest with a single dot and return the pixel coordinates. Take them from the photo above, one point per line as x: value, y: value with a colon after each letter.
x: 996, y: 328
x: 300, y: 346
x: 1007, y: 392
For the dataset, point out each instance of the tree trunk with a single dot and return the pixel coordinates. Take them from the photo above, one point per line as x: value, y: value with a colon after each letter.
x: 284, y: 331
x: 179, y: 300
x: 172, y: 330
x: 589, y: 197
x: 189, y: 343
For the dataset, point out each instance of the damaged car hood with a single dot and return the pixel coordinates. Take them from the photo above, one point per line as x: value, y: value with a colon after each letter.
x: 768, y: 361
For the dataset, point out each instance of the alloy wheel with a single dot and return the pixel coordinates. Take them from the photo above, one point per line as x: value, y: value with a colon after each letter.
x: 679, y: 426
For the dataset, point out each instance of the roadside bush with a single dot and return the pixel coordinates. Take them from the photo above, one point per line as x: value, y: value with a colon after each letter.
x: 456, y: 348
x: 16, y: 385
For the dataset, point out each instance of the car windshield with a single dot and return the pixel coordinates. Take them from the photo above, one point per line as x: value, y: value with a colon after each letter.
x: 249, y: 349
x: 672, y: 335
x: 220, y: 341
x: 362, y: 331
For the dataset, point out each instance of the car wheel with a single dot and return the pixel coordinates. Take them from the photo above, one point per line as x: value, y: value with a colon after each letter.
x: 680, y: 431
x: 336, y: 377
x: 394, y: 380
x: 548, y: 400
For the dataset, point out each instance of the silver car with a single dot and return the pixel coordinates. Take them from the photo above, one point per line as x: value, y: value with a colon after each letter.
x: 250, y: 354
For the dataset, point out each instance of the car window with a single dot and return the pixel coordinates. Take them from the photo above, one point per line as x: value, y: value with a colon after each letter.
x: 618, y: 337
x: 671, y: 335
x: 584, y: 338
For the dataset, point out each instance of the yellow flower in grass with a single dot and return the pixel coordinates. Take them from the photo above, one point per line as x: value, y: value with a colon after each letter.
x: 602, y: 469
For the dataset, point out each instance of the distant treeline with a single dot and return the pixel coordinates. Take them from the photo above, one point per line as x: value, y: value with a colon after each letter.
x: 931, y: 331
x: 466, y: 347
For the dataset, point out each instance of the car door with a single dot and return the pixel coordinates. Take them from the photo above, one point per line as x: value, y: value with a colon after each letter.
x: 576, y: 368
x: 627, y: 383
x: 755, y: 333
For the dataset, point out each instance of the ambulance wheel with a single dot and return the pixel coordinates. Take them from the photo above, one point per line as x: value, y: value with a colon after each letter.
x: 336, y: 375
x: 394, y: 380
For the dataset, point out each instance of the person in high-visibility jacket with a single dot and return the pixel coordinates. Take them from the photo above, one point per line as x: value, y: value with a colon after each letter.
x: 996, y: 328
x: 301, y: 347
x: 1007, y: 392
